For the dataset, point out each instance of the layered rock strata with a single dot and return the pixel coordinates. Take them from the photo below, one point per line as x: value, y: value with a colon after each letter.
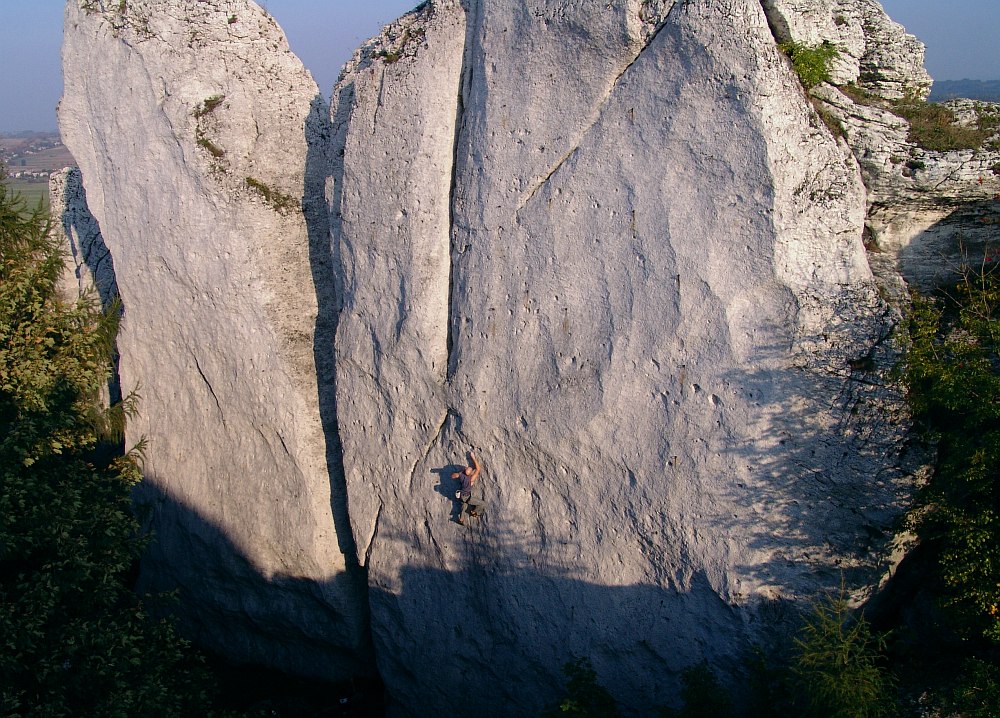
x: 931, y: 214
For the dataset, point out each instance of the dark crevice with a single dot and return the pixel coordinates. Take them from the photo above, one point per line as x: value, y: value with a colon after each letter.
x: 374, y: 535
x: 211, y: 391
x: 777, y: 24
x: 83, y: 233
x: 471, y: 8
x: 324, y: 141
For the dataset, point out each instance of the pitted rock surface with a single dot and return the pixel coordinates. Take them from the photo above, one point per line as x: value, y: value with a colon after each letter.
x: 612, y: 248
x: 193, y: 123
x: 631, y: 276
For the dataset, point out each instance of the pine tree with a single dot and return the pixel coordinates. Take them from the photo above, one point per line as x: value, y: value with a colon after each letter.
x: 74, y: 639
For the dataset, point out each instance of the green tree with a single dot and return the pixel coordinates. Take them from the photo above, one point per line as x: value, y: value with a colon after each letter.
x: 585, y: 697
x: 74, y: 640
x: 953, y: 377
x: 703, y: 695
x: 837, y: 664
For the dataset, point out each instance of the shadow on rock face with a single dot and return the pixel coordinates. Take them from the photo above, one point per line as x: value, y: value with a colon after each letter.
x: 524, y: 623
x: 323, y: 263
x: 447, y: 486
x: 494, y: 634
x: 228, y: 606
x: 966, y: 239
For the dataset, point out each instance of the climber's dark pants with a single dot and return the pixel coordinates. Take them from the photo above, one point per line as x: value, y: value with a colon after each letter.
x: 470, y: 506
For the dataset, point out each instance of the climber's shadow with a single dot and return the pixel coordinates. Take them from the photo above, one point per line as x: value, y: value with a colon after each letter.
x: 447, y: 486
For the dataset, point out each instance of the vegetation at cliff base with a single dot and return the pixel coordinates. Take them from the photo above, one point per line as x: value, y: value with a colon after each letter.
x: 585, y: 696
x: 75, y: 639
x: 835, y: 668
x: 953, y: 377
x: 953, y: 372
x: 839, y: 666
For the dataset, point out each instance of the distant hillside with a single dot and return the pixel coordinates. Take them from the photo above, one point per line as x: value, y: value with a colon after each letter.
x: 987, y: 90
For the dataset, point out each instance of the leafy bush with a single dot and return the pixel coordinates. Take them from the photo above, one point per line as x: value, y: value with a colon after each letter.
x: 702, y: 694
x: 811, y: 62
x: 978, y: 692
x: 75, y: 640
x: 953, y: 378
x: 585, y: 697
x: 837, y: 664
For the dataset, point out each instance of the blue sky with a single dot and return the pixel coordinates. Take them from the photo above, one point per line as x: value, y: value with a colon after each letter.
x: 962, y: 38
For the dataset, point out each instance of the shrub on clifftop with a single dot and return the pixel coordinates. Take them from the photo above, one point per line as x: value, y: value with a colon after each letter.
x: 811, y: 62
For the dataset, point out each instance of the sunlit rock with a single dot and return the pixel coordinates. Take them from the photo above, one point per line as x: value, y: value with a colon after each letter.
x: 611, y: 247
x: 200, y: 138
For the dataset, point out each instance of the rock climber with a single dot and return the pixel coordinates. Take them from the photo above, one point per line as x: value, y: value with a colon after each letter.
x: 474, y: 506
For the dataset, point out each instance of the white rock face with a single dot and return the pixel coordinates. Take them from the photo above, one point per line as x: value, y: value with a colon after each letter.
x: 874, y: 51
x: 192, y: 123
x: 612, y: 248
x: 635, y: 284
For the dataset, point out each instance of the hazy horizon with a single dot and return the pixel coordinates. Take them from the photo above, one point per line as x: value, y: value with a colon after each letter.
x: 961, y: 40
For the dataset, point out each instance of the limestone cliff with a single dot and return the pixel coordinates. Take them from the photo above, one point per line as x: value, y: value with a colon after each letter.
x: 636, y: 284
x: 873, y: 51
x: 192, y: 125
x: 612, y: 248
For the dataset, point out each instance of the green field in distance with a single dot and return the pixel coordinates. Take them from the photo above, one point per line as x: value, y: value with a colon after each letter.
x: 31, y: 192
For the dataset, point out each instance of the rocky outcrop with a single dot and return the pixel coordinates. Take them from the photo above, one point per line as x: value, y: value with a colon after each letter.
x: 636, y: 284
x: 931, y: 213
x: 195, y: 129
x: 90, y: 268
x: 615, y: 250
x: 873, y: 51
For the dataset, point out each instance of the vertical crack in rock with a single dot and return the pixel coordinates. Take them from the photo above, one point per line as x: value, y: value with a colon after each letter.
x: 464, y: 84
x: 775, y: 22
x: 381, y: 94
x: 280, y: 438
x: 373, y: 535
x: 209, y: 385
x: 595, y: 115
x: 326, y: 137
